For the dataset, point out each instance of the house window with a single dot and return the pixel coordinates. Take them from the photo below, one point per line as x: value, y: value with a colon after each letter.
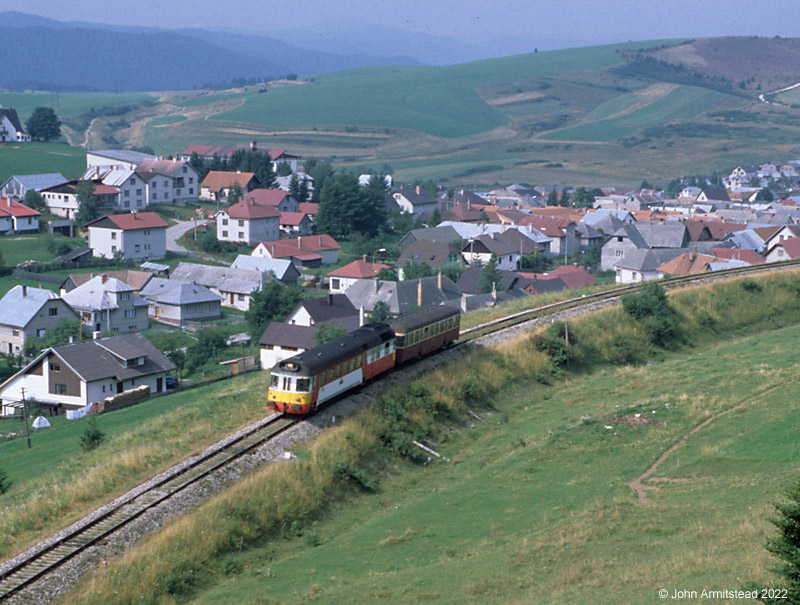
x: 155, y: 183
x: 40, y: 333
x: 55, y: 367
x: 177, y: 192
x: 113, y: 235
x: 138, y: 192
x: 132, y: 328
x: 14, y: 332
x: 60, y: 389
x: 241, y: 234
x: 191, y: 180
x: 155, y: 196
x: 125, y: 295
x: 335, y: 284
x: 224, y: 234
x: 52, y: 312
x: 618, y: 252
x: 241, y: 297
x: 137, y: 248
x: 191, y: 189
x: 129, y: 313
x: 127, y: 204
x: 619, y: 238
x: 224, y: 221
x: 113, y: 249
x: 780, y: 251
x: 241, y: 223
x: 184, y: 170
x: 147, y: 246
x: 126, y: 193
x: 133, y: 181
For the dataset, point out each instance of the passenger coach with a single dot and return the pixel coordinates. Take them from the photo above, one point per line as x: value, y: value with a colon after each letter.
x: 425, y: 331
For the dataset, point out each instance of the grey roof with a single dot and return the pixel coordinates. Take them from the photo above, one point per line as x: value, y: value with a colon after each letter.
x: 430, y: 234
x: 332, y: 306
x: 116, y: 177
x: 157, y: 267
x: 470, y: 280
x: 104, y: 358
x: 479, y: 301
x: 176, y: 292
x: 278, y: 266
x: 671, y: 234
x: 38, y: 182
x: 472, y: 230
x: 601, y: 215
x: 123, y: 155
x: 648, y: 260
x: 73, y: 254
x: 288, y: 335
x: 97, y: 294
x: 215, y: 277
x: 747, y: 239
x: 18, y: 310
x: 402, y: 296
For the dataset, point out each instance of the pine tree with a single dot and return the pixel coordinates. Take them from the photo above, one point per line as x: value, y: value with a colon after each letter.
x: 92, y: 436
x: 786, y: 546
x: 490, y: 276
x: 5, y: 484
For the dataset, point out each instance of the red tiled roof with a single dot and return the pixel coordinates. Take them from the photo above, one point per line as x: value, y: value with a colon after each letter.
x: 311, y: 243
x: 210, y: 151
x: 309, y: 208
x: 129, y: 222
x: 267, y: 197
x: 749, y: 256
x: 217, y: 180
x: 791, y: 245
x: 246, y: 209
x: 292, y: 218
x: 101, y: 189
x: 358, y: 269
x: 17, y: 208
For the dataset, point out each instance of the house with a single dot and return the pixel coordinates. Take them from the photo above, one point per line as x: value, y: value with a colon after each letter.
x: 248, y: 223
x: 177, y: 302
x: 782, y: 234
x: 134, y: 236
x: 293, y: 224
x: 751, y: 257
x: 224, y: 153
x: 306, y: 251
x: 235, y: 286
x: 787, y: 249
x: 643, y: 264
x: 692, y: 262
x: 466, y: 212
x: 274, y: 268
x: 217, y: 184
x: 11, y: 128
x: 29, y: 313
x: 282, y: 201
x: 440, y: 233
x: 62, y: 200
x: 169, y: 181
x: 281, y: 340
x: 561, y: 232
x: 342, y: 278
x: 466, y: 231
x: 574, y: 276
x: 71, y: 376
x: 135, y: 279
x: 643, y: 236
x: 116, y: 158
x: 435, y: 254
x: 284, y: 183
x: 404, y: 296
x: 15, y: 187
x: 334, y: 308
x: 479, y: 250
x: 132, y: 188
x: 415, y: 201
x: 18, y: 217
x: 106, y: 304
x: 470, y: 281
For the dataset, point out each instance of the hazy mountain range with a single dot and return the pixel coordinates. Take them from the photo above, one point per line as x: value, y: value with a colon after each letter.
x: 44, y: 54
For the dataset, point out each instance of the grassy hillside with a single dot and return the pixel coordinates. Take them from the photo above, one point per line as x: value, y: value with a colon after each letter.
x: 537, y: 502
x: 35, y: 158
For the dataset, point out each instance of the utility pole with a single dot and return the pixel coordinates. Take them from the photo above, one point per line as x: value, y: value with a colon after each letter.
x: 25, y: 417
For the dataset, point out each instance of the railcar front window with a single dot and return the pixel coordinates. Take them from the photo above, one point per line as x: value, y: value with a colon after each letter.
x: 287, y: 383
x: 303, y: 385
x: 273, y: 383
x: 400, y: 341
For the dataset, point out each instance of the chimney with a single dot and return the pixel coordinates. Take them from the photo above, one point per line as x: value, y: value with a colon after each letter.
x: 24, y: 291
x: 71, y: 339
x: 494, y: 291
x: 439, y: 280
x: 419, y: 292
x: 361, y: 318
x: 364, y: 258
x: 300, y: 242
x: 417, y: 189
x: 104, y: 278
x: 464, y: 303
x: 253, y: 146
x: 469, y: 204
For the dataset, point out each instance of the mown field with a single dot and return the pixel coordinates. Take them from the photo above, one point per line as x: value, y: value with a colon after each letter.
x: 534, y: 504
x: 37, y: 158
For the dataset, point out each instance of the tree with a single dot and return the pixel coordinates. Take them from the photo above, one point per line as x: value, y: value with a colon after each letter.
x: 583, y: 198
x: 33, y: 199
x: 387, y: 274
x: 380, y: 312
x: 417, y: 270
x: 436, y: 218
x: 552, y: 198
x: 234, y: 193
x: 302, y: 191
x: 92, y: 436
x: 5, y: 484
x: 43, y: 125
x: 208, y: 343
x: 328, y: 331
x: 273, y: 302
x: 786, y: 546
x: 535, y: 261
x: 178, y: 357
x: 320, y: 171
x: 490, y: 276
x: 283, y: 169
x: 765, y: 195
x: 88, y: 204
x: 345, y: 207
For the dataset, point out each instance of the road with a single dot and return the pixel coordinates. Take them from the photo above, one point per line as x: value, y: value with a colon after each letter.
x: 175, y: 232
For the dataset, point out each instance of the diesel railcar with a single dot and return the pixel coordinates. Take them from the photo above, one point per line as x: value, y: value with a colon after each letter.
x: 299, y: 384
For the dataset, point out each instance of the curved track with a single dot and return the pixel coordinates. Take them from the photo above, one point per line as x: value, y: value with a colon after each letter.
x: 41, y: 562
x: 35, y: 565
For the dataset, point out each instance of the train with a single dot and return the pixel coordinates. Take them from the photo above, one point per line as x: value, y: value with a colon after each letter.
x: 302, y: 383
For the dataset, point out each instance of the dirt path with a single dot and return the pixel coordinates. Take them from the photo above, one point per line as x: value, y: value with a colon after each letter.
x: 638, y: 485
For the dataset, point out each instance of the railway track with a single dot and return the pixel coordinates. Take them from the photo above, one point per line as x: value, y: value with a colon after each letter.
x: 48, y: 558
x: 37, y: 564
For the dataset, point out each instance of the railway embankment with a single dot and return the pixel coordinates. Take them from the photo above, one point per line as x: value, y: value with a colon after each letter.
x: 544, y: 433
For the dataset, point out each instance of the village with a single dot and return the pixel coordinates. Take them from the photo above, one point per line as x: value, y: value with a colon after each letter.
x: 179, y: 248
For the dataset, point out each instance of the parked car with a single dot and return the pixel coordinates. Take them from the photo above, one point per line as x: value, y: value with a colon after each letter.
x: 172, y: 382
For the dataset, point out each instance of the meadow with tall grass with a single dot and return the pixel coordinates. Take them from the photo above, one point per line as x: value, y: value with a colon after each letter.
x: 533, y: 504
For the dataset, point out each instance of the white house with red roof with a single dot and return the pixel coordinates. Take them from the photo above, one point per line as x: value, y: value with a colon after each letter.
x: 296, y: 223
x: 248, y: 223
x: 218, y: 184
x: 305, y: 251
x: 62, y: 200
x: 787, y: 249
x: 342, y: 278
x: 136, y: 236
x: 16, y: 217
x: 169, y: 181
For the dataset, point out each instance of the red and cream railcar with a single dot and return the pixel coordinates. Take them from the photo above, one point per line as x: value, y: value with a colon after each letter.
x: 300, y: 383
x: 425, y: 331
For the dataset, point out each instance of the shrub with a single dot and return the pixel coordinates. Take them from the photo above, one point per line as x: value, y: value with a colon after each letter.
x: 407, y: 417
x: 553, y: 342
x: 92, y: 436
x: 651, y: 308
x: 5, y: 484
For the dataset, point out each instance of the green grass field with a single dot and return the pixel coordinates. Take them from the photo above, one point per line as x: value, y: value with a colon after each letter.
x: 66, y: 104
x: 40, y: 158
x: 537, y: 508
x: 18, y: 248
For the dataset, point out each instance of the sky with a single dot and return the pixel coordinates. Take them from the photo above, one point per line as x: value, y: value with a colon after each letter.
x: 575, y: 22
